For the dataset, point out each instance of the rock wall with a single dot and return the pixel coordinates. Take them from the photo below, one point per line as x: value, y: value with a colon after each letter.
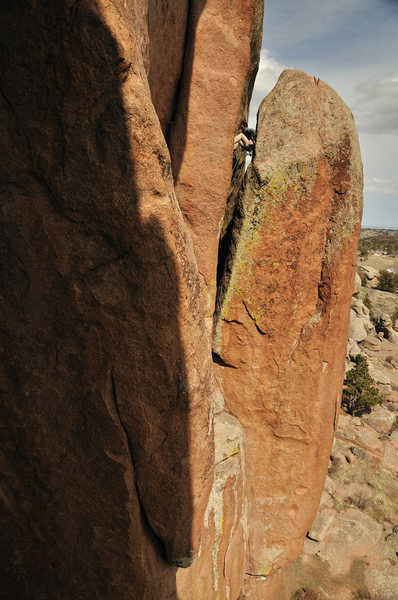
x: 128, y: 466
x: 107, y: 381
x: 283, y: 307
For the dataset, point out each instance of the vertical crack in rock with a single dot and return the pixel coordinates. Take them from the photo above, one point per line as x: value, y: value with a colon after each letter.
x: 158, y: 542
x: 181, y: 78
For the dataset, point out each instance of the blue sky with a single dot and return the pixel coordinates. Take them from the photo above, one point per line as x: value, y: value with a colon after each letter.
x: 353, y: 46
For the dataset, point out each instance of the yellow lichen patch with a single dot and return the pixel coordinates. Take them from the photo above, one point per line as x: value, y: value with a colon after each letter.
x: 231, y: 453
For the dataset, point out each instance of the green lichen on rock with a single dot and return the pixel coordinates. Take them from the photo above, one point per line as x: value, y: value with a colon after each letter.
x: 260, y: 208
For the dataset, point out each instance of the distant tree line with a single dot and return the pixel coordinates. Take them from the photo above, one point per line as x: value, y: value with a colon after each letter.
x: 380, y: 243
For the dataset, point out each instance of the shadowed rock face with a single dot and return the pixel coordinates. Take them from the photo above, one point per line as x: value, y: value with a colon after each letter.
x: 283, y: 307
x: 107, y: 376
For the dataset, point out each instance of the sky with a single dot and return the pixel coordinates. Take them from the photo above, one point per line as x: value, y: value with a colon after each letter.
x: 353, y: 46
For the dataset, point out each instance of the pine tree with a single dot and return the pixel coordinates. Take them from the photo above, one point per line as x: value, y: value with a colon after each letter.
x: 360, y: 393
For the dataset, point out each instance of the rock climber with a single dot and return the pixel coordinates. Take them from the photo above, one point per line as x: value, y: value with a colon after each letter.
x: 246, y: 138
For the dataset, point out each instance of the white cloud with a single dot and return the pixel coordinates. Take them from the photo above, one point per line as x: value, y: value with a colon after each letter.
x: 267, y: 76
x: 380, y: 190
x: 269, y: 70
x: 385, y: 181
x: 376, y: 108
x: 382, y: 186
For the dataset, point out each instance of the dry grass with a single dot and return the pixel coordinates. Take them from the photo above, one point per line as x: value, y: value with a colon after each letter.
x: 361, y: 500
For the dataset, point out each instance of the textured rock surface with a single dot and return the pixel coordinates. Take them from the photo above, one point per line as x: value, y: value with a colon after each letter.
x: 359, y: 552
x: 356, y: 330
x: 354, y: 536
x: 223, y: 53
x: 106, y: 365
x: 220, y: 570
x: 282, y: 314
x: 107, y: 376
x: 380, y: 419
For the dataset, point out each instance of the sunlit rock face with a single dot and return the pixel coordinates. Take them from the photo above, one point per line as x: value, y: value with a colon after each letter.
x: 222, y: 54
x: 283, y: 307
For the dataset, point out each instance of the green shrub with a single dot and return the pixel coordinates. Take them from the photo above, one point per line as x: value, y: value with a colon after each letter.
x: 394, y: 317
x: 388, y: 282
x: 382, y: 243
x: 360, y: 393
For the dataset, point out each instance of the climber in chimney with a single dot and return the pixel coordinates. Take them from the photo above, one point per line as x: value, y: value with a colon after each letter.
x: 246, y: 138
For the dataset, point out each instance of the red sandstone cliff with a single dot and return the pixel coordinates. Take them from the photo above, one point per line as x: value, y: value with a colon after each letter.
x: 129, y: 455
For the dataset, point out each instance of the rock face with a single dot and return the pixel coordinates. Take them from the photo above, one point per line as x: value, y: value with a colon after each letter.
x: 227, y: 36
x: 134, y: 468
x: 283, y: 309
x: 355, y: 531
x: 107, y: 379
x: 106, y: 364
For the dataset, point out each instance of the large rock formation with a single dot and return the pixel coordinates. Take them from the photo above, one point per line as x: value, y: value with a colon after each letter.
x: 283, y: 307
x: 132, y: 465
x: 106, y: 364
x: 107, y: 378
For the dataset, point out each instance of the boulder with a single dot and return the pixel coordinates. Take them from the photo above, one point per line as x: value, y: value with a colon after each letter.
x: 385, y: 320
x: 372, y: 342
x: 369, y: 439
x: 357, y: 306
x: 330, y: 486
x: 357, y: 284
x: 380, y: 419
x: 326, y: 500
x: 352, y: 348
x: 372, y: 275
x: 394, y: 437
x: 391, y: 457
x: 356, y: 329
x: 322, y: 525
x: 293, y: 244
x: 382, y: 579
x: 359, y: 495
x: 355, y: 536
x: 391, y: 335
